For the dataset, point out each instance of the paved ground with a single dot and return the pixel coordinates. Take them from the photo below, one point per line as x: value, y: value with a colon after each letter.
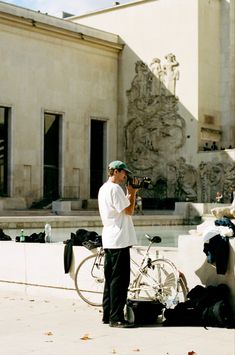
x: 54, y: 326
x: 57, y: 326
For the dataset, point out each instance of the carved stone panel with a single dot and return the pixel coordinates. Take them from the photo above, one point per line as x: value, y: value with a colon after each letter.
x: 155, y: 138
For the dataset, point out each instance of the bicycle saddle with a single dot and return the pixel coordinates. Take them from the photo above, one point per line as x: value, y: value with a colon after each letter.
x: 155, y: 239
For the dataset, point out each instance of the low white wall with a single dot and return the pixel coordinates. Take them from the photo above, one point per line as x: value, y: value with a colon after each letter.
x: 36, y: 264
x: 36, y: 268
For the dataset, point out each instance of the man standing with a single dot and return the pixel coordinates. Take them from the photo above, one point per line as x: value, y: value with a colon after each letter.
x: 118, y: 236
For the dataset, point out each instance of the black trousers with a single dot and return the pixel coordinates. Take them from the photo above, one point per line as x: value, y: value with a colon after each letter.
x: 117, y: 279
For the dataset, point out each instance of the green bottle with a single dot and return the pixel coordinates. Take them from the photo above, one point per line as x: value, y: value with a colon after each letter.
x: 22, y: 237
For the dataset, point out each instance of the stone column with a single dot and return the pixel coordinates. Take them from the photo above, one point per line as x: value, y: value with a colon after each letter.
x: 232, y: 72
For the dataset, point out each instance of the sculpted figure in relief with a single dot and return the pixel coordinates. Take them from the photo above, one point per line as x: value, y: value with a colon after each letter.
x: 172, y: 179
x: 229, y: 180
x: 170, y: 68
x: 187, y: 181
x: 215, y: 176
x: 157, y: 78
x: 203, y: 178
x: 140, y: 82
x: 155, y: 131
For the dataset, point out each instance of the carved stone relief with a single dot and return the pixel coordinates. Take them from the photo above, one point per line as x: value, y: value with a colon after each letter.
x: 155, y: 138
x: 208, y: 134
x: 216, y: 176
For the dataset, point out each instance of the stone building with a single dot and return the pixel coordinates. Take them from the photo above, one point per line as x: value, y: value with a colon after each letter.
x: 58, y: 102
x: 151, y: 82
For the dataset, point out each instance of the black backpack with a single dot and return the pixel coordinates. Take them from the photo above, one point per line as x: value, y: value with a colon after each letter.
x: 217, y: 315
x: 206, y: 306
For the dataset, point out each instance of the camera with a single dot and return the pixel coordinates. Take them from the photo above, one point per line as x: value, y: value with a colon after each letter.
x: 138, y: 182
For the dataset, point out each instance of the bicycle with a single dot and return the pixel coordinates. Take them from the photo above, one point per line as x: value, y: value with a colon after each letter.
x: 157, y: 280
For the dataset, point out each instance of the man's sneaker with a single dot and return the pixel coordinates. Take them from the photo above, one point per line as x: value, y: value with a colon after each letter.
x: 123, y: 324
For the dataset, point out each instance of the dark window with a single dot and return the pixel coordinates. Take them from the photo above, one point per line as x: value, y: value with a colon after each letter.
x: 96, y: 156
x: 51, y: 156
x: 4, y: 123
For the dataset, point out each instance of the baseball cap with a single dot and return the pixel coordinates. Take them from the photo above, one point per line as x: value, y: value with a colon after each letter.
x: 117, y: 164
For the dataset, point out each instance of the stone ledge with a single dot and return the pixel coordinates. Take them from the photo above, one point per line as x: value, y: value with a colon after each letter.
x: 59, y: 206
x: 193, y: 209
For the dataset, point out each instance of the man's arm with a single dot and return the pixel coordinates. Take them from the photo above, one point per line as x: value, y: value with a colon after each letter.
x: 131, y: 194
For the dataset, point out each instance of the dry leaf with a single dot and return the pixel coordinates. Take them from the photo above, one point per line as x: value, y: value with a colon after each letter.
x: 48, y: 333
x: 85, y: 337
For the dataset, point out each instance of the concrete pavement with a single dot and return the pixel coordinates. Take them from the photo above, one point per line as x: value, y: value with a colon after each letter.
x: 58, y: 326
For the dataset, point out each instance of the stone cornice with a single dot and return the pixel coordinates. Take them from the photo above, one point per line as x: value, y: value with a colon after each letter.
x: 113, y: 8
x: 41, y: 23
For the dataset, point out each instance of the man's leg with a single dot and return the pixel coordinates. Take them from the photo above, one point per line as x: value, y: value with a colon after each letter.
x: 106, y: 294
x: 119, y: 283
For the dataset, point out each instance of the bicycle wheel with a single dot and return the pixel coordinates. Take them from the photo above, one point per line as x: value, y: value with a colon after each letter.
x: 89, y: 279
x: 157, y: 281
x: 182, y: 288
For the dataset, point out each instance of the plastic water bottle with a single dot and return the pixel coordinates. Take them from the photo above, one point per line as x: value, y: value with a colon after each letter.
x: 22, y: 237
x: 47, y: 230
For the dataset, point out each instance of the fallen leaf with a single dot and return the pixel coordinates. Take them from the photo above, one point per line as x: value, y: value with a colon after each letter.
x: 48, y: 333
x: 85, y: 337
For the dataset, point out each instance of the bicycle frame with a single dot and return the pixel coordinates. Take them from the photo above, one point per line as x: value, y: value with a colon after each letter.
x: 98, y: 263
x: 146, y: 261
x: 151, y: 278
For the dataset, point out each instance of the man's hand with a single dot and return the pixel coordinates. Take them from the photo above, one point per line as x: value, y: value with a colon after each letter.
x: 131, y: 193
x: 130, y: 189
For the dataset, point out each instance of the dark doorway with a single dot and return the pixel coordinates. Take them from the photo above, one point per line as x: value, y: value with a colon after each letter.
x: 96, y: 156
x: 51, y: 157
x: 4, y: 158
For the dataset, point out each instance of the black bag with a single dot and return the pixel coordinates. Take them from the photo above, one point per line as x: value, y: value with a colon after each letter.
x: 4, y: 236
x: 184, y: 314
x: 83, y: 237
x: 217, y: 315
x: 206, y: 306
x: 143, y: 311
x: 33, y: 238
